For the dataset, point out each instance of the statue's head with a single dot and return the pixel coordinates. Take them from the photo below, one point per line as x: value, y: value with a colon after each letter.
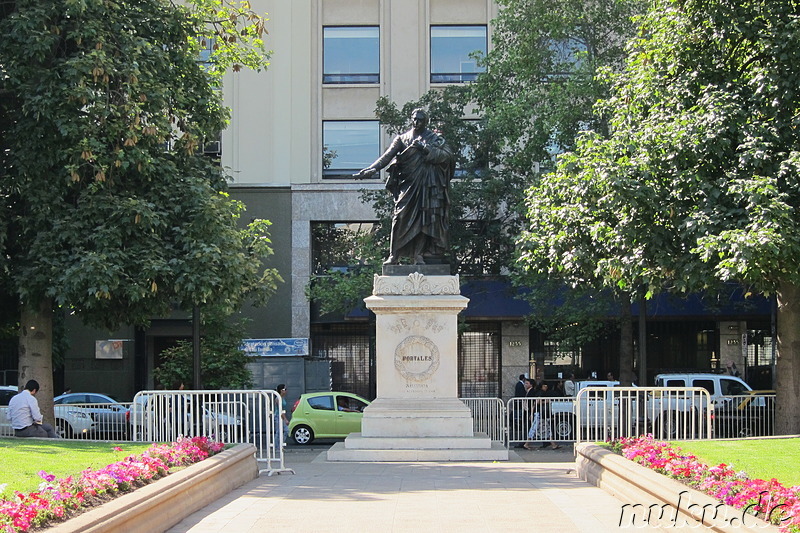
x: 419, y: 118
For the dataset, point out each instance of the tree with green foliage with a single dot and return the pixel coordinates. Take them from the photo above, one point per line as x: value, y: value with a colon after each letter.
x: 110, y: 210
x: 223, y: 365
x: 698, y: 181
x: 538, y: 92
x: 541, y: 80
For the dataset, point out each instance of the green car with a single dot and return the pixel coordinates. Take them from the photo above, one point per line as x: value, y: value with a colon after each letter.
x: 326, y: 415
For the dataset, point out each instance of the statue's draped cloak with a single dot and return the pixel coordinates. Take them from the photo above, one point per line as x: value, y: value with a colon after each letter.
x: 419, y: 183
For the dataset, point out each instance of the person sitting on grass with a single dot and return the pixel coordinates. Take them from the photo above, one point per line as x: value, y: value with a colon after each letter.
x: 26, y: 419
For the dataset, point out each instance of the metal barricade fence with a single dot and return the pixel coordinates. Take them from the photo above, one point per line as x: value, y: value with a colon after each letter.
x: 488, y: 416
x: 595, y: 414
x: 744, y: 415
x: 674, y: 413
x: 229, y: 416
x: 540, y: 419
x: 605, y: 413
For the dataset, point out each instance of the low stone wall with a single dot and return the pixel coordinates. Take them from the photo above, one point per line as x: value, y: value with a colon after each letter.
x: 656, y: 500
x: 164, y: 503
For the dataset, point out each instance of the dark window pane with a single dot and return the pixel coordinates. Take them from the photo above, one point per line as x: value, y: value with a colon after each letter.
x: 349, y: 146
x: 731, y: 387
x: 350, y: 348
x: 472, y: 158
x: 351, y: 54
x: 479, y: 361
x: 5, y: 396
x: 451, y: 47
x: 707, y: 384
x: 336, y: 245
x: 567, y: 57
x: 324, y: 403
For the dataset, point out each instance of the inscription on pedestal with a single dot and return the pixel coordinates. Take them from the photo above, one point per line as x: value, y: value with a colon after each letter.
x: 416, y: 358
x: 404, y: 324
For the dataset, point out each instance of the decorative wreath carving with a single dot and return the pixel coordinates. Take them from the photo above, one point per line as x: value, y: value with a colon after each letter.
x: 416, y: 358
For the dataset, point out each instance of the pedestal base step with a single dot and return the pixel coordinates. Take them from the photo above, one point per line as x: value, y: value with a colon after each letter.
x: 339, y: 452
x: 419, y: 418
x: 357, y: 441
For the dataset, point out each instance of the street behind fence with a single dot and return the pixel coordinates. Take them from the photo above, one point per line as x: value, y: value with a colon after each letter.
x: 595, y: 414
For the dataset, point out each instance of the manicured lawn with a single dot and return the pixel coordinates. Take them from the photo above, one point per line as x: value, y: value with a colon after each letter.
x: 761, y: 459
x: 22, y: 459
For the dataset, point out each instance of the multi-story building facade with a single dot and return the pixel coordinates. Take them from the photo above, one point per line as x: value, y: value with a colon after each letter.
x: 297, y: 133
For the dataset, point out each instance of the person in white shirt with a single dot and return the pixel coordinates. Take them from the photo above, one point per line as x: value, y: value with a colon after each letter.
x: 26, y: 419
x: 569, y: 385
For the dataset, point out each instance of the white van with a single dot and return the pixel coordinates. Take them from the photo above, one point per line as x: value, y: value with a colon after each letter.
x: 718, y: 385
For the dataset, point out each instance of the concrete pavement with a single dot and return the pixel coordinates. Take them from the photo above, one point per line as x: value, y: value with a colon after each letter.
x: 534, y: 491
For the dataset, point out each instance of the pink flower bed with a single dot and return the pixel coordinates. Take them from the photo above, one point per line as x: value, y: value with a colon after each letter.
x: 56, y: 497
x: 769, y: 500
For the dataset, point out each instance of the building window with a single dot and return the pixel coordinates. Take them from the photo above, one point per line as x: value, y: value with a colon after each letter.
x: 472, y: 158
x: 207, y: 46
x: 568, y: 57
x: 348, y: 146
x: 349, y: 349
x: 479, y: 361
x: 487, y: 252
x: 341, y: 250
x: 337, y: 245
x: 350, y: 54
x: 452, y: 49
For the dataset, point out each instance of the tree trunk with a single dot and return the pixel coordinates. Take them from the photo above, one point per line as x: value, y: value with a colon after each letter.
x: 787, y: 383
x: 36, y: 352
x: 626, y: 375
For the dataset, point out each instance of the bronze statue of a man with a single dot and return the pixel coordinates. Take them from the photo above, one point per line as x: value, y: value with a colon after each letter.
x: 419, y: 176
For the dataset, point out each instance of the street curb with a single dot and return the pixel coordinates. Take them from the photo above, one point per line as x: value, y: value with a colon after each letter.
x: 165, y: 502
x: 656, y: 500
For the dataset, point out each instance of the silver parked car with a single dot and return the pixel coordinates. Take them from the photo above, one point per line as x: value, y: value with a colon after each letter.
x: 110, y: 416
x: 71, y: 421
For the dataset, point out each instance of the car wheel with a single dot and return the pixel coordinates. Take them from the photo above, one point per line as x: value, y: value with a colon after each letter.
x: 745, y: 431
x: 681, y: 425
x: 666, y: 426
x: 303, y: 435
x: 564, y: 427
x: 63, y: 429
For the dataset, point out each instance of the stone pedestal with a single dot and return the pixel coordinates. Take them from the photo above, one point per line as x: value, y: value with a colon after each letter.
x: 417, y: 415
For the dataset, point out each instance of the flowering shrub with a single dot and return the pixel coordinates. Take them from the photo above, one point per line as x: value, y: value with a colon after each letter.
x: 766, y: 499
x: 56, y: 497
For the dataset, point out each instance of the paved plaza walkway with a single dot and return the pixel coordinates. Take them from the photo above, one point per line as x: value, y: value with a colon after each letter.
x: 535, y: 491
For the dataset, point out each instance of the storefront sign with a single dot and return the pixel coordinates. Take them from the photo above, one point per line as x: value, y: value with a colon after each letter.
x: 275, y: 347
